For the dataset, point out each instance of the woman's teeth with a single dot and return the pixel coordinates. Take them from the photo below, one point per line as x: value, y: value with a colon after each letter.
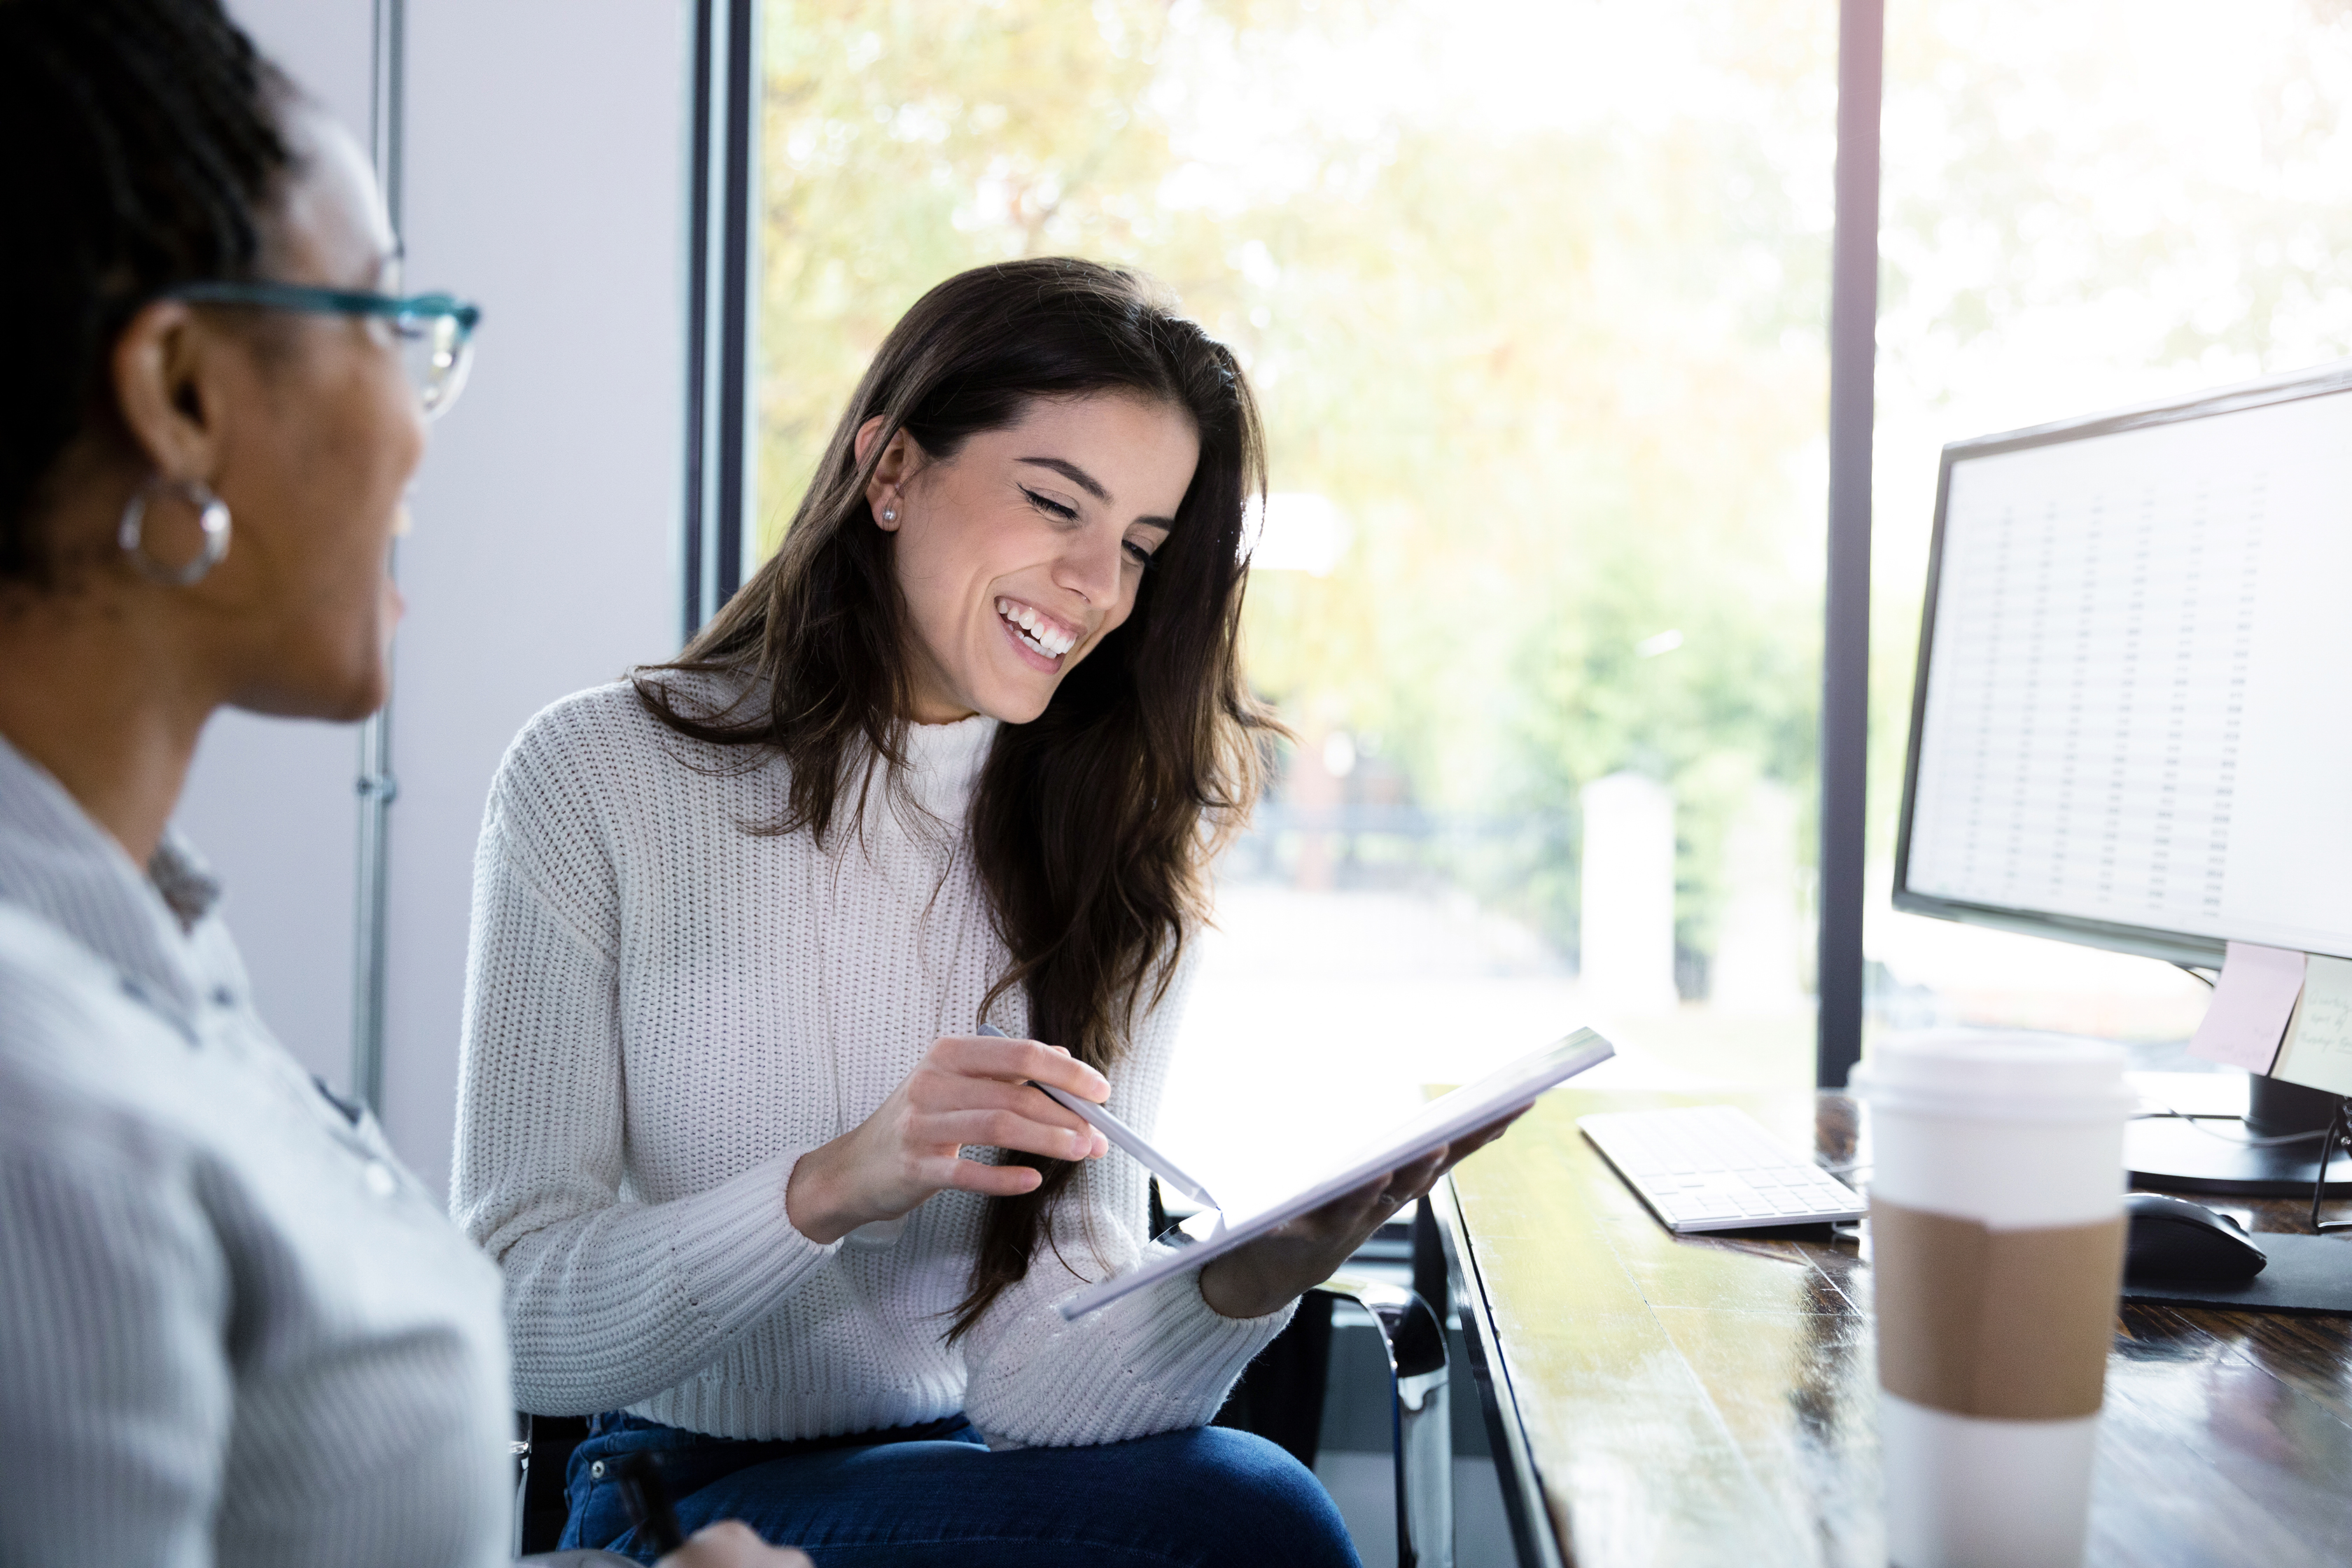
x: 1035, y: 630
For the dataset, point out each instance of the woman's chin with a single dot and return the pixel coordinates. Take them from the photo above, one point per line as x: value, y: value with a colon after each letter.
x: 1016, y: 707
x: 1013, y: 690
x: 335, y: 692
x: 362, y: 702
x: 367, y: 690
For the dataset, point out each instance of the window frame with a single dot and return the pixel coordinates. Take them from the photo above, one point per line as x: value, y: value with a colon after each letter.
x: 721, y: 262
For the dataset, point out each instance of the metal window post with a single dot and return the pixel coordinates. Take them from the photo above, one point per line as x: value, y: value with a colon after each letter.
x: 722, y: 260
x: 377, y: 786
x: 1846, y: 645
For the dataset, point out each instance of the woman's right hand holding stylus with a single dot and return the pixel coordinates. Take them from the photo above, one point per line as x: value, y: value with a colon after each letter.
x: 967, y: 1092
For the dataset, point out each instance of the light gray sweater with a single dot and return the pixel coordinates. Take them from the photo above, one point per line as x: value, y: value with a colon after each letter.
x: 232, y: 1328
x: 664, y: 1012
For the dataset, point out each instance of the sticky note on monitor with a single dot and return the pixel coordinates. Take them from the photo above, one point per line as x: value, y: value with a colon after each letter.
x: 2253, y: 1001
x: 2319, y: 1049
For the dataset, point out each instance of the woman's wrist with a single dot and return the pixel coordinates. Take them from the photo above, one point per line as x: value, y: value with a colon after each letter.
x: 814, y: 1197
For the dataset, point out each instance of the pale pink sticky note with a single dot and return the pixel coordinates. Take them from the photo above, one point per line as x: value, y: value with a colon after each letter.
x: 2251, y: 1002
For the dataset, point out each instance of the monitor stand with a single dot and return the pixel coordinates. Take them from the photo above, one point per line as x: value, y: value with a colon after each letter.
x: 2168, y: 1154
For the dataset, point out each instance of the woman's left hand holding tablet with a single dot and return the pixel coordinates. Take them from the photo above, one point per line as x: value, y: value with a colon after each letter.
x: 966, y: 1092
x: 1291, y: 1260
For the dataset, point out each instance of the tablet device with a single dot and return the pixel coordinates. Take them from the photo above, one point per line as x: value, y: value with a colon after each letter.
x: 1508, y: 1089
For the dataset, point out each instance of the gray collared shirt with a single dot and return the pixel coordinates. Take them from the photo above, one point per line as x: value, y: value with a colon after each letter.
x: 232, y: 1328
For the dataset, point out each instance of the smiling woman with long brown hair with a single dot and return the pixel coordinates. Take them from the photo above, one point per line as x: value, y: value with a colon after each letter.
x: 961, y: 754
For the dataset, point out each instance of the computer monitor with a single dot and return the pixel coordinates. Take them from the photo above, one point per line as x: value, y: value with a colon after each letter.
x: 2132, y: 725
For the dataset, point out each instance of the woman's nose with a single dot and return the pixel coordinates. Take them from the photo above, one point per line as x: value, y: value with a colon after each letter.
x: 1091, y: 565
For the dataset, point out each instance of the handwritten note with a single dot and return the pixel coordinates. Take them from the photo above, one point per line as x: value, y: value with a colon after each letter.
x: 2251, y: 1002
x: 2318, y: 1050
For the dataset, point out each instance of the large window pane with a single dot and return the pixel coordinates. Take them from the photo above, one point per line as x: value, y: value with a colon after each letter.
x: 2117, y: 203
x: 1534, y: 296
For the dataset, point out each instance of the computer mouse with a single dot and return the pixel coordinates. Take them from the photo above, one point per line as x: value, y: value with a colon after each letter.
x: 2172, y: 1240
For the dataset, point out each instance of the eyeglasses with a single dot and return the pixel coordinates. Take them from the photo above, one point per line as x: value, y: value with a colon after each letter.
x: 436, y: 331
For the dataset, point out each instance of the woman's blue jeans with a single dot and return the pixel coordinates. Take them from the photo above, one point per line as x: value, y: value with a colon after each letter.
x: 1210, y: 1498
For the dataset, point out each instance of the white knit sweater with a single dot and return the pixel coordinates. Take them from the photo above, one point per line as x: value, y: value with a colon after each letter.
x: 664, y: 1012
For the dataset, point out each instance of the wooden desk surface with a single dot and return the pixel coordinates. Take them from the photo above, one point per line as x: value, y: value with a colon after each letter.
x: 1712, y: 1400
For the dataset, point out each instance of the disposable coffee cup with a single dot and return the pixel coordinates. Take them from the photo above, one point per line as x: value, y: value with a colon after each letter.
x: 1996, y: 1241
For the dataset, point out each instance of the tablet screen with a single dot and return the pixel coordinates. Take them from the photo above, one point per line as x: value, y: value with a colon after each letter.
x: 1509, y: 1087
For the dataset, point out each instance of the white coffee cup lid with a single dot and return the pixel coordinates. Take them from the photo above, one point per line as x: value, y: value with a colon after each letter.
x: 1995, y: 1073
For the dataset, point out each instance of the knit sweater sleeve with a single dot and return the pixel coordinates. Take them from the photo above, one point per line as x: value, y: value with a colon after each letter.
x: 1158, y: 1360
x: 609, y: 1301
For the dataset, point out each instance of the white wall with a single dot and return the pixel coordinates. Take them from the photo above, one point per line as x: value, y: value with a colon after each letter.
x: 546, y: 156
x: 545, y: 165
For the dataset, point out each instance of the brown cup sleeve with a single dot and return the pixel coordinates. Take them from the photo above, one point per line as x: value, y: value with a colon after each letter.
x: 2009, y: 1324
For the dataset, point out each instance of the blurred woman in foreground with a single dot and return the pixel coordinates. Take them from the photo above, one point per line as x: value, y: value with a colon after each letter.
x: 232, y: 1328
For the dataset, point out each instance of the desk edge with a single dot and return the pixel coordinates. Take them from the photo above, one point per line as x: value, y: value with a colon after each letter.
x: 1523, y: 1495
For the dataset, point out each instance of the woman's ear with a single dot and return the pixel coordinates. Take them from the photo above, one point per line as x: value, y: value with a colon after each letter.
x: 898, y: 464
x: 166, y: 368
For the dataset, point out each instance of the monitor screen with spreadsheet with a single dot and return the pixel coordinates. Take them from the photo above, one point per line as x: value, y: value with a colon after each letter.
x: 2133, y: 720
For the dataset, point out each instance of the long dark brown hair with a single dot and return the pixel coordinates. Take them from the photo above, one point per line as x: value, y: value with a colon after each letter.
x: 1092, y: 826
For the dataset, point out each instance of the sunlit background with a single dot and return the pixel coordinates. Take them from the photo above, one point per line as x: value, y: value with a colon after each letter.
x: 1535, y: 296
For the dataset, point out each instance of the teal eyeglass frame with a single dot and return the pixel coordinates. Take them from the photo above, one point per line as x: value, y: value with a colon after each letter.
x: 440, y: 326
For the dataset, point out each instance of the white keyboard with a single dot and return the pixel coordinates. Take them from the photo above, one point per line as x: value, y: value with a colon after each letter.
x: 1710, y: 1167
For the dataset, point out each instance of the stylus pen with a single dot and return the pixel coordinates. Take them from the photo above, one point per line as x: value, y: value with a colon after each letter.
x: 1118, y: 1132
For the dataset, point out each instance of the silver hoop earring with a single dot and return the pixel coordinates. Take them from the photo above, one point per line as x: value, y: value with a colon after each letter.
x: 212, y: 517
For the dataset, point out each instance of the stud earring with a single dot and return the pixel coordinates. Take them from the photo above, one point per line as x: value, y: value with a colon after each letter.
x: 889, y: 514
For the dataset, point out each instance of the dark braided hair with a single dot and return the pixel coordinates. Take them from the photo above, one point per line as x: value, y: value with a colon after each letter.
x: 139, y: 147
